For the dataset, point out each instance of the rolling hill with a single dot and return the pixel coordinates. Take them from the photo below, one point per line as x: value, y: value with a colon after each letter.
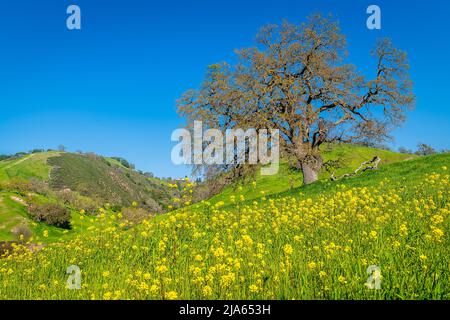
x: 93, y: 179
x: 349, y: 157
x: 104, y: 178
x: 306, y: 242
x: 90, y: 175
x: 109, y: 181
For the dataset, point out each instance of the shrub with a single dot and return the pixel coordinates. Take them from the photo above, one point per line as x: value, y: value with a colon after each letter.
x: 20, y: 185
x: 151, y: 205
x: 87, y: 204
x: 66, y: 196
x: 38, y: 186
x: 22, y: 233
x: 51, y: 213
x: 37, y: 151
x: 4, y: 157
x: 405, y: 150
x: 135, y: 215
x: 6, y: 248
x: 425, y: 150
x: 77, y: 201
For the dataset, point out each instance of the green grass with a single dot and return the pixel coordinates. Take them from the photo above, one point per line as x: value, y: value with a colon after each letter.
x: 14, y: 213
x: 312, y: 242
x: 11, y: 214
x: 93, y: 176
x: 350, y: 157
x: 107, y: 178
x: 406, y: 173
x: 29, y: 166
x: 101, y: 178
x: 115, y: 163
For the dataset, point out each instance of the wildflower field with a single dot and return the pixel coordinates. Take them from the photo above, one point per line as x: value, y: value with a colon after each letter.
x: 323, y: 241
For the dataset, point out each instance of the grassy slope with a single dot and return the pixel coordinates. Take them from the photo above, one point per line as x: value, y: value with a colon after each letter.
x: 351, y: 157
x: 200, y: 230
x: 97, y: 176
x: 79, y: 171
x: 33, y: 165
x: 14, y: 213
x: 407, y: 173
x: 11, y: 214
x: 106, y: 179
x: 404, y: 173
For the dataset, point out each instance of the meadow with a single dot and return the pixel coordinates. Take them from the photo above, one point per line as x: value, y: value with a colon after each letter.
x: 314, y: 242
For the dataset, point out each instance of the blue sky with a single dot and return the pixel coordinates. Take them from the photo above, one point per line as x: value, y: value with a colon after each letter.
x: 111, y: 87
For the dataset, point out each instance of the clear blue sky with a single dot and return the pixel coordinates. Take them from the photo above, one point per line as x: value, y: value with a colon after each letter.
x: 111, y: 87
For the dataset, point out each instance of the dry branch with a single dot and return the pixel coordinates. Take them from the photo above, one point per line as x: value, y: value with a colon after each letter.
x: 370, y: 165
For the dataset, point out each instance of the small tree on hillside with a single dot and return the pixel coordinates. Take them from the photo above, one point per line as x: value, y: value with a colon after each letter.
x: 297, y: 80
x: 425, y: 150
x: 405, y: 150
x: 61, y: 148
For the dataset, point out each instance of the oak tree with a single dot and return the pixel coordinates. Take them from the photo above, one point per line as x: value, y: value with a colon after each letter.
x: 298, y: 79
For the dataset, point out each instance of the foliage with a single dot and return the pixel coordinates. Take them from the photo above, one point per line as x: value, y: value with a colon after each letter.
x: 93, y: 176
x: 135, y: 215
x: 77, y: 201
x: 425, y: 150
x: 297, y: 80
x: 51, y: 213
x: 124, y: 162
x: 19, y: 184
x: 22, y: 232
x: 4, y: 157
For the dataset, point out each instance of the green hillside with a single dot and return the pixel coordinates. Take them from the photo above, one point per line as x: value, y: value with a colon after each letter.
x: 90, y: 175
x: 106, y: 179
x: 310, y: 242
x: 30, y: 166
x: 13, y: 213
x: 404, y: 174
x: 89, y: 179
x: 349, y: 156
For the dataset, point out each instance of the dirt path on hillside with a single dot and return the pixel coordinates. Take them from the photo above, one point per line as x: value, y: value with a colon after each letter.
x: 18, y: 162
x: 19, y: 200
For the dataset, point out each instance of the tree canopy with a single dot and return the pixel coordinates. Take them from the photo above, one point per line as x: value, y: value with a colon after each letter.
x: 297, y: 79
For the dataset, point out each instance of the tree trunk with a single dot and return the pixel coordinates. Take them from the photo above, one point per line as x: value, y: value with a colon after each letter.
x: 310, y: 175
x: 310, y: 169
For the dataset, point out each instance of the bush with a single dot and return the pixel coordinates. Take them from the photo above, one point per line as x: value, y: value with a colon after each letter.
x: 124, y: 162
x: 6, y: 248
x: 151, y: 205
x: 19, y: 185
x: 22, y: 233
x: 135, y: 215
x: 77, y: 201
x: 37, y: 151
x: 4, y: 157
x: 38, y: 186
x: 425, y: 150
x: 51, y: 213
x: 405, y: 150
